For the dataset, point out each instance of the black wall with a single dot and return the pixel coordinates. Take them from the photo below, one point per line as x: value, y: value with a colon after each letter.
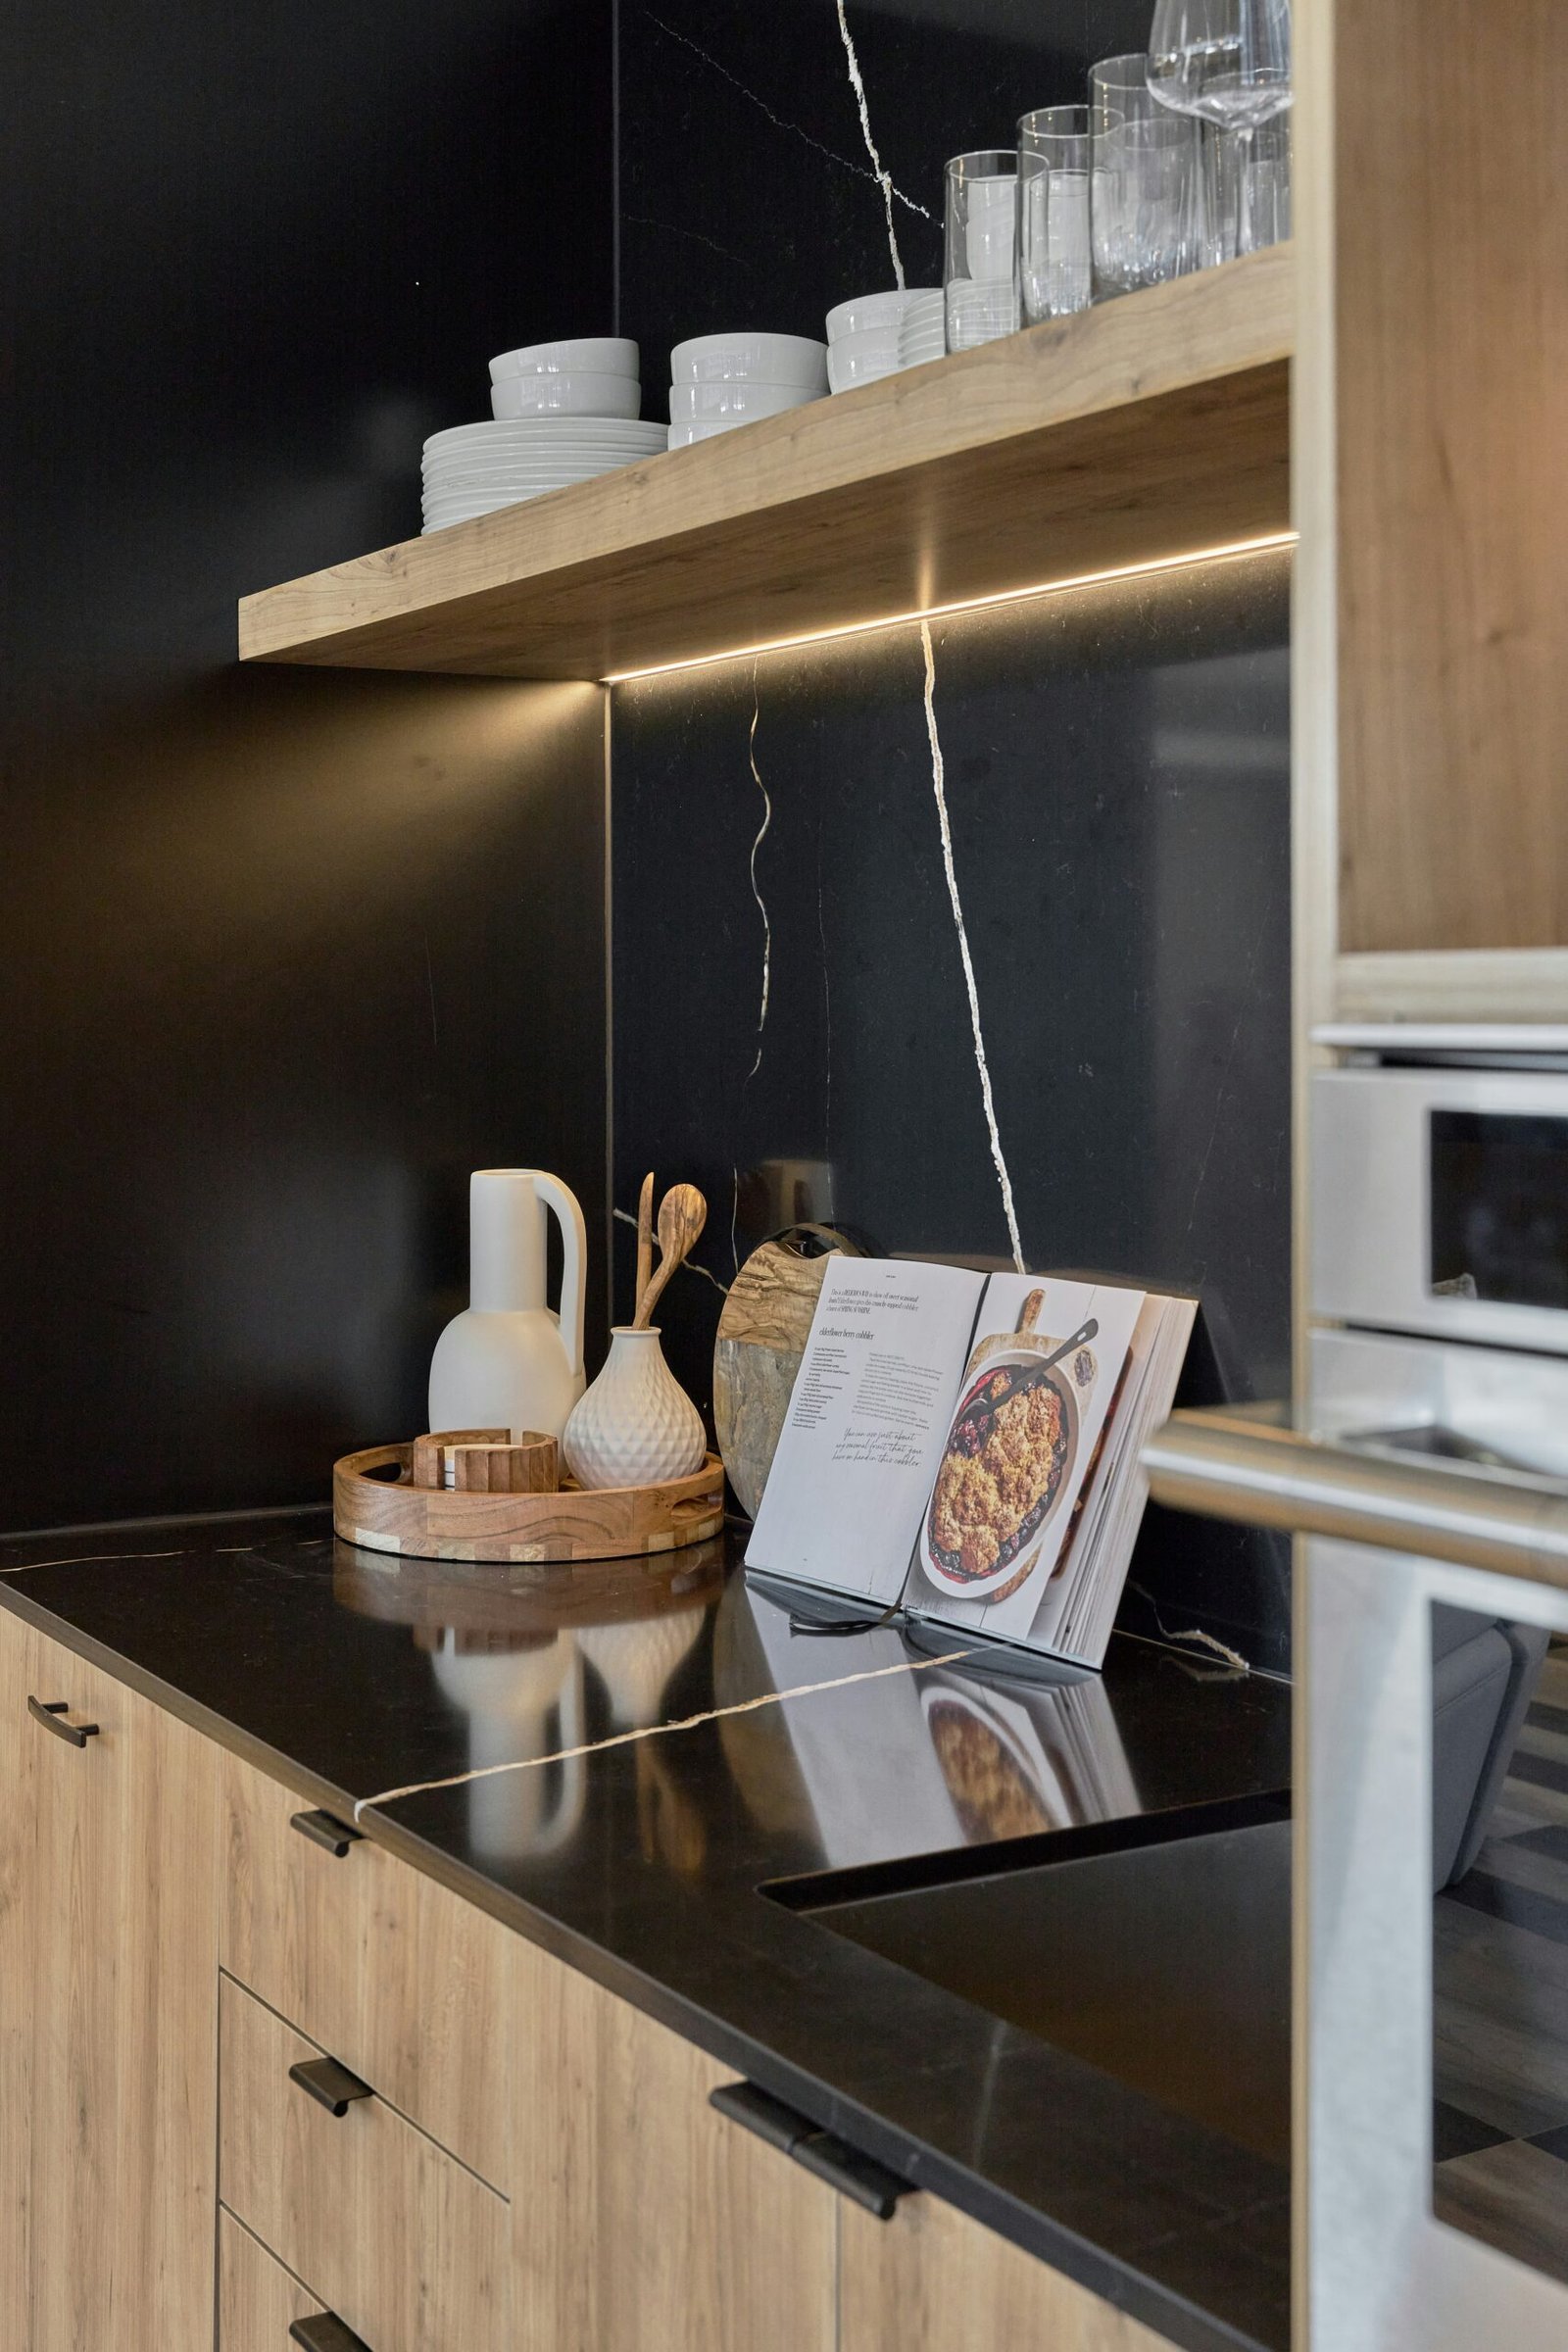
x: 281, y: 957
x: 1116, y: 772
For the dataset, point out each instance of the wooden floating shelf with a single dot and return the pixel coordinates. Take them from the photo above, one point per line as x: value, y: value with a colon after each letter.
x: 1150, y: 427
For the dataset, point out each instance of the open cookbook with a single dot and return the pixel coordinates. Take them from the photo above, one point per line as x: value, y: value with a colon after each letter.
x: 968, y: 1446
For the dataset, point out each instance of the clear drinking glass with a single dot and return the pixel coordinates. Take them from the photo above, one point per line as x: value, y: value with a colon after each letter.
x: 980, y: 274
x: 1266, y: 213
x: 1118, y: 90
x: 1228, y: 62
x: 1055, y: 259
x: 1119, y: 93
x: 1149, y: 191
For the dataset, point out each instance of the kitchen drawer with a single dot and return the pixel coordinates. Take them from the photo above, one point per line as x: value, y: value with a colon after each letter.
x: 399, y: 1979
x: 258, y: 2300
x: 397, y: 2238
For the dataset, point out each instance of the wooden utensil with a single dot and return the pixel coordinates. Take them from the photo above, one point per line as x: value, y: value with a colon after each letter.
x: 645, y: 1240
x: 682, y: 1214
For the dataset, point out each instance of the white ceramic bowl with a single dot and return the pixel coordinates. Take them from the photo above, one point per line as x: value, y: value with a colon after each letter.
x: 866, y: 310
x: 764, y: 359
x: 862, y: 356
x: 708, y: 404
x: 579, y: 393
x: 681, y: 436
x: 603, y: 355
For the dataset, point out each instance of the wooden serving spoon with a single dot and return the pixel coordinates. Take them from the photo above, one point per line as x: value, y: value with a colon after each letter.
x: 645, y: 1240
x: 682, y: 1214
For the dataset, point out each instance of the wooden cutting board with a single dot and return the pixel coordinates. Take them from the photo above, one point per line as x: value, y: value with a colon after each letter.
x: 762, y: 1338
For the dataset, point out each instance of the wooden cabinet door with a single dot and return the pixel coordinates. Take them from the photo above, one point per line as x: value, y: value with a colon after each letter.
x: 107, y: 2014
x: 931, y: 2279
x: 644, y: 2221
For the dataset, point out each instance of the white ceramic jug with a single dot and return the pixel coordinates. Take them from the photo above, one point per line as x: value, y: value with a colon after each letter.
x: 508, y: 1360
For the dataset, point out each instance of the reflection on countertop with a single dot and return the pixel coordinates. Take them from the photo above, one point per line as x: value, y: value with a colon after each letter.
x: 669, y: 1747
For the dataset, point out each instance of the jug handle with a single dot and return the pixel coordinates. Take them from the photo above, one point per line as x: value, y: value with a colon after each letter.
x: 563, y: 1203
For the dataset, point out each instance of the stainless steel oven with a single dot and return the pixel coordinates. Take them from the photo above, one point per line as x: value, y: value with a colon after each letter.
x: 1439, y: 1200
x: 1427, y: 1470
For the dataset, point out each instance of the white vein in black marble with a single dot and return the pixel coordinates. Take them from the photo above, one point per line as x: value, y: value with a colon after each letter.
x: 762, y: 903
x: 884, y: 177
x: 938, y: 786
x: 780, y: 121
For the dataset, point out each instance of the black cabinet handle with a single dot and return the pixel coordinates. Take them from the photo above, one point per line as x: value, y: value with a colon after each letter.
x: 322, y: 2331
x: 859, y: 2177
x: 52, y: 1712
x: 324, y: 1829
x: 332, y: 2086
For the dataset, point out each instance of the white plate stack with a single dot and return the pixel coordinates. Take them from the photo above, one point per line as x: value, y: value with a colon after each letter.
x: 865, y: 336
x: 720, y: 381
x: 563, y: 412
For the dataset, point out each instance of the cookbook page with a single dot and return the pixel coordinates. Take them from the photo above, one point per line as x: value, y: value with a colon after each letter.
x: 1022, y: 1443
x: 868, y: 1416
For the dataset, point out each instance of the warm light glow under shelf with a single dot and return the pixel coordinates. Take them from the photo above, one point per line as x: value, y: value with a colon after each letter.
x: 969, y: 603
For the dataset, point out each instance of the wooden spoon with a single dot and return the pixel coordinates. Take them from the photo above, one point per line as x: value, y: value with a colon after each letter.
x: 645, y: 1240
x: 682, y: 1214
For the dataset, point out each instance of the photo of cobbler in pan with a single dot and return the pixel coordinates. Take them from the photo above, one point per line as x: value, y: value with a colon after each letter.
x: 1004, y: 1471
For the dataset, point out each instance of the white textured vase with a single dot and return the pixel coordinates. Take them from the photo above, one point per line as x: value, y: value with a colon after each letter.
x: 636, y: 1425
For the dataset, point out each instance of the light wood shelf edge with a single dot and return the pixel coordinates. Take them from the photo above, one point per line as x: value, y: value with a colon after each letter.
x: 1071, y: 445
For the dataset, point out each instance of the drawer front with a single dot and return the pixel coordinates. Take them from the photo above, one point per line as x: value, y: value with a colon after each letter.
x: 397, y: 2238
x: 399, y: 1979
x: 258, y: 2301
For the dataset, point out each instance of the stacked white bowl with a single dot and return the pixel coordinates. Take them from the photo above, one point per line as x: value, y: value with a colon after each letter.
x: 720, y: 381
x: 563, y: 412
x: 865, y: 338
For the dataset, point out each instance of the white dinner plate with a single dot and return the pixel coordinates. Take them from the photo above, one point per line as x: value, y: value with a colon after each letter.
x: 520, y: 432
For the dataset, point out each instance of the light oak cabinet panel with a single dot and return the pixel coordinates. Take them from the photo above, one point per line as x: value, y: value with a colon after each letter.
x: 258, y: 2300
x: 402, y: 2241
x: 933, y: 2280
x: 108, y: 2014
x: 642, y: 2220
x: 403, y: 1983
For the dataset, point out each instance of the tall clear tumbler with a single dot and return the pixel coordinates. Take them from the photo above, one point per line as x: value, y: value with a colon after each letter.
x: 1119, y: 93
x: 1148, y: 216
x: 1055, y: 268
x: 980, y: 274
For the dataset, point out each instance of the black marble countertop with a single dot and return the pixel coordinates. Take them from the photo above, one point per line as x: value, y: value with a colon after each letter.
x: 349, y: 1674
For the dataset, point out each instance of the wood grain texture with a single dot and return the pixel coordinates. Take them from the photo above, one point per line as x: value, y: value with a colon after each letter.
x: 530, y: 1467
x: 643, y: 2222
x: 399, y: 2241
x: 605, y: 1523
x: 401, y: 1981
x: 1451, y: 276
x: 931, y: 2279
x: 258, y: 2300
x: 426, y: 1465
x: 762, y: 1331
x: 1144, y: 428
x: 108, y: 2016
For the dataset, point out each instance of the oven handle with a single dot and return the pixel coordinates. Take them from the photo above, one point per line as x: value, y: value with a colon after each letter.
x: 1225, y: 1466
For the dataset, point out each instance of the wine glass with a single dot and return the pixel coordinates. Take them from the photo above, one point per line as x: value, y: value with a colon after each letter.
x: 1229, y: 63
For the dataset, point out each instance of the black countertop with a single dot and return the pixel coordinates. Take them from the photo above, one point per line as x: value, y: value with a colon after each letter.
x: 349, y: 1674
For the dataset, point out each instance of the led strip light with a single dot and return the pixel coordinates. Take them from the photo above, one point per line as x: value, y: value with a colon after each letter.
x: 968, y: 604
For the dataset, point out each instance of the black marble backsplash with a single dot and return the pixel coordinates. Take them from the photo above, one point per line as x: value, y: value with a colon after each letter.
x: 1116, y: 776
x: 1116, y: 781
x: 748, y: 195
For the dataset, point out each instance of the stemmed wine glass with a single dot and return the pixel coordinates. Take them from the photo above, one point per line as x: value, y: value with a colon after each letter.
x: 1229, y: 63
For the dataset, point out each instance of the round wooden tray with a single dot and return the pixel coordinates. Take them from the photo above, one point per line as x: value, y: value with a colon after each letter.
x: 380, y: 1513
